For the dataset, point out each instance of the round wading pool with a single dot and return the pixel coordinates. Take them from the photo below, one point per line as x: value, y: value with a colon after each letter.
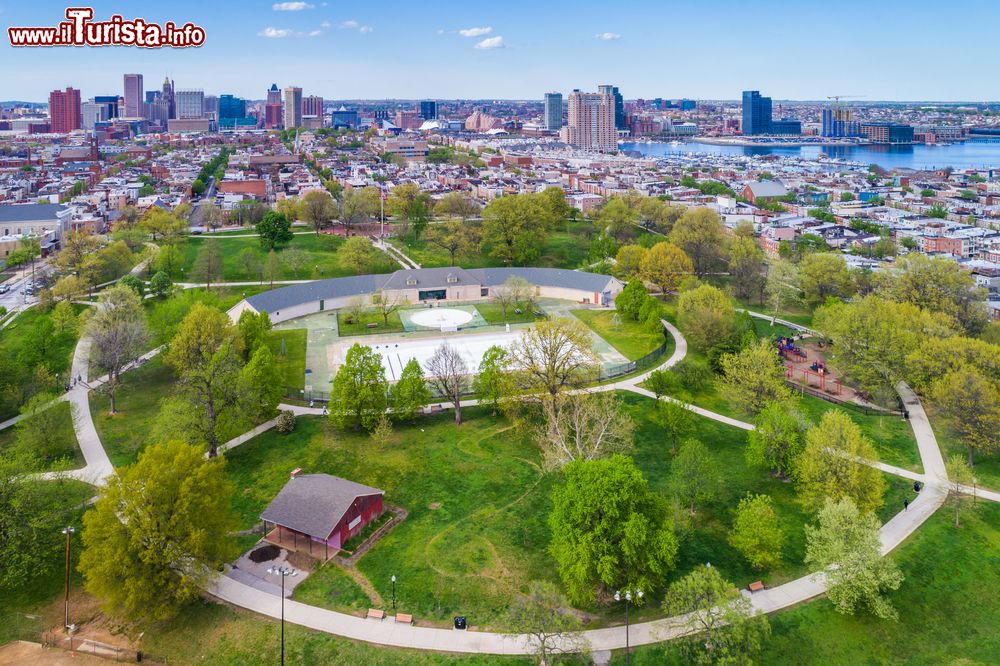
x: 442, y: 318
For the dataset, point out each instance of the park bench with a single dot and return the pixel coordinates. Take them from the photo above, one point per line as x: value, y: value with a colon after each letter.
x: 755, y: 586
x: 373, y: 325
x: 436, y: 409
x: 375, y: 613
x: 518, y: 311
x: 404, y: 618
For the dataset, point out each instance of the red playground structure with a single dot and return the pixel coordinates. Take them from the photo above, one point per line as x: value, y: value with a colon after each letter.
x: 815, y: 376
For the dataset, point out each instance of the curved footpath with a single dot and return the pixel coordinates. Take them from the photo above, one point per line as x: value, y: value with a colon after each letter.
x: 893, y: 533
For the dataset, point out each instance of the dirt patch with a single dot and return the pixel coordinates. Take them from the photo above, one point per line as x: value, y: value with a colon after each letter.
x: 20, y: 653
x: 434, y: 506
x: 265, y: 553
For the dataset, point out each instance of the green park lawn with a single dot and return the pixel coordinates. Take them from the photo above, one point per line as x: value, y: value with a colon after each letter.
x: 360, y: 325
x: 320, y: 251
x: 948, y: 608
x: 493, y: 314
x: 631, y: 338
x: 67, y: 455
x: 164, y: 315
x: 478, y: 503
x: 987, y: 466
x: 291, y: 363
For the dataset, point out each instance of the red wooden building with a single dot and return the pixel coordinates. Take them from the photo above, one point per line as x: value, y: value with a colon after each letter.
x: 318, y: 513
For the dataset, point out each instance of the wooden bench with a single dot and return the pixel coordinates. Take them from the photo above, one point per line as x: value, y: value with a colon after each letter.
x: 373, y: 325
x: 436, y: 409
x: 404, y: 618
x: 755, y: 586
x: 374, y: 613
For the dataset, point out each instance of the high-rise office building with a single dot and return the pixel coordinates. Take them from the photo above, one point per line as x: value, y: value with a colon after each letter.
x: 190, y: 104
x: 840, y: 123
x: 273, y: 94
x: 232, y: 107
x: 619, y: 102
x: 591, y: 123
x: 756, y: 113
x: 158, y: 110
x: 312, y: 105
x: 64, y: 110
x: 429, y: 109
x: 112, y: 103
x: 93, y: 112
x: 553, y: 116
x: 293, y: 107
x: 167, y: 94
x: 133, y: 96
x: 210, y: 106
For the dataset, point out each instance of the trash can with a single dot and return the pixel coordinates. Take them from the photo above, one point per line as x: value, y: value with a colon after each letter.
x: 460, y: 622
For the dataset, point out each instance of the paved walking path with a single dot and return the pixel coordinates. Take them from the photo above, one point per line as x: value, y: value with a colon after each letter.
x: 395, y: 253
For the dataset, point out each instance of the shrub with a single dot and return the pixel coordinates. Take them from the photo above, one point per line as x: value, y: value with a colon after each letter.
x: 693, y: 375
x: 286, y: 422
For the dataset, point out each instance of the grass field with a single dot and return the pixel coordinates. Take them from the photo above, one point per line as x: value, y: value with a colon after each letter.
x: 493, y: 314
x: 320, y: 258
x: 359, y: 326
x: 478, y: 506
x: 987, y: 466
x: 293, y: 364
x: 67, y: 454
x: 631, y: 338
x: 948, y: 608
x: 164, y: 315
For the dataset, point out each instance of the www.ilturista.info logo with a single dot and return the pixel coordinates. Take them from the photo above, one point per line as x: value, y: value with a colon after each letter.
x: 81, y: 30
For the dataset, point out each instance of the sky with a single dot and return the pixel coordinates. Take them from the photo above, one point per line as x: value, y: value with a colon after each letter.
x: 517, y: 49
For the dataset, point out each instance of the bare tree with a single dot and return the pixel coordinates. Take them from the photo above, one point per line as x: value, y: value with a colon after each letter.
x: 515, y: 290
x: 385, y: 304
x: 296, y: 259
x: 584, y: 426
x: 118, y: 335
x: 554, y: 355
x: 449, y: 375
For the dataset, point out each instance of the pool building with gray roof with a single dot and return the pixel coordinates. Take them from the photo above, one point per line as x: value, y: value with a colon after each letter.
x: 427, y: 285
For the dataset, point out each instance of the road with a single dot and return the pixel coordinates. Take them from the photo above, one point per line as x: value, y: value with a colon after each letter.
x: 207, y: 199
x: 16, y: 298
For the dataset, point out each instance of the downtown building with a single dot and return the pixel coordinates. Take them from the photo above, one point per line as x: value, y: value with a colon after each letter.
x: 839, y: 124
x: 756, y: 113
x: 272, y: 108
x: 553, y: 115
x: 133, y: 96
x: 65, y: 111
x: 619, y: 104
x: 591, y: 122
x: 429, y: 109
x: 293, y: 107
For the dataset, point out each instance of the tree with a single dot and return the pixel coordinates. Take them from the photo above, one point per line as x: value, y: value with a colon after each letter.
x: 265, y: 381
x: 514, y: 290
x: 449, y: 374
x: 777, y: 439
x: 554, y: 355
x: 666, y: 266
x: 208, y: 264
x: 609, y: 530
x: 757, y: 534
x: 357, y: 254
x: 725, y: 627
x: 205, y: 352
x: 629, y: 301
x: 158, y: 532
x: 584, y: 426
x: 64, y: 318
x: 358, y: 206
x: 959, y: 479
x: 824, y: 275
x: 515, y: 228
x: 359, y: 392
x: 274, y: 230
x: 456, y: 237
x: 936, y: 357
x: 43, y: 433
x: 169, y: 260
x: 160, y: 284
x: 694, y: 474
x: 833, y: 465
x: 211, y: 216
x: 699, y: 233
x: 133, y: 283
x: 456, y: 204
x: 318, y: 208
x: 197, y: 187
x: 409, y: 203
x: 628, y: 261
x: 249, y: 260
x: 118, y: 334
x: 296, y: 259
x: 970, y: 405
x: 845, y: 545
x: 163, y: 225
x: 706, y: 316
x: 76, y: 246
x: 253, y: 328
x: 617, y: 219
x: 410, y: 393
x: 676, y: 419
x: 386, y: 303
x: 494, y: 383
x: 746, y: 266
x: 781, y: 289
x: 755, y: 376
x: 541, y: 614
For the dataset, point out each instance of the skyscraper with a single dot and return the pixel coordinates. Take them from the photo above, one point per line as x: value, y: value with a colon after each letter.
x: 619, y: 104
x: 293, y: 107
x: 64, y: 110
x: 112, y: 103
x: 273, y: 94
x: 553, y: 116
x: 591, y: 123
x: 133, y: 95
x: 839, y: 123
x: 167, y: 94
x: 429, y: 109
x: 93, y: 112
x: 312, y: 106
x: 756, y: 113
x: 190, y: 104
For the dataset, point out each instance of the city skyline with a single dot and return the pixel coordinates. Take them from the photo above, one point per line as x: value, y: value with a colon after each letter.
x: 467, y: 52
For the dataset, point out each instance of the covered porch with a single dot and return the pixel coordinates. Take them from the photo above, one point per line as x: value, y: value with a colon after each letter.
x: 297, y: 542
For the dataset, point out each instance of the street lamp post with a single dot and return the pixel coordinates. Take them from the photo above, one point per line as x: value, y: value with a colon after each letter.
x: 394, y: 593
x: 283, y: 572
x: 68, y: 531
x: 628, y: 600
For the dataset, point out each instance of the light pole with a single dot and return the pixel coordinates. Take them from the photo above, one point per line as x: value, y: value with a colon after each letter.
x: 68, y: 531
x: 283, y: 572
x: 628, y: 599
x: 394, y: 593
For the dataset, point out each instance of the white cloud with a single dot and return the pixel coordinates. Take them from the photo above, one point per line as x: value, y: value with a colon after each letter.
x: 315, y: 33
x: 491, y: 43
x: 349, y: 25
x: 608, y: 36
x: 275, y: 33
x: 476, y: 32
x: 326, y: 24
x: 291, y: 6
x: 365, y: 29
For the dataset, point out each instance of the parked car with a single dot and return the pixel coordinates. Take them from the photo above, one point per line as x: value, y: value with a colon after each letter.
x: 4, y: 288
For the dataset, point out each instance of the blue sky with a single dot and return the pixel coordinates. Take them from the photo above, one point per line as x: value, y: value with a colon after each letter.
x: 518, y: 49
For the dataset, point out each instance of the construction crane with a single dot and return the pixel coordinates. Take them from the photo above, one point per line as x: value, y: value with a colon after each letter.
x: 837, y: 98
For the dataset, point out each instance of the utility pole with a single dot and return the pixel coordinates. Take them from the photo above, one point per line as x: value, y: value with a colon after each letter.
x: 68, y: 531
